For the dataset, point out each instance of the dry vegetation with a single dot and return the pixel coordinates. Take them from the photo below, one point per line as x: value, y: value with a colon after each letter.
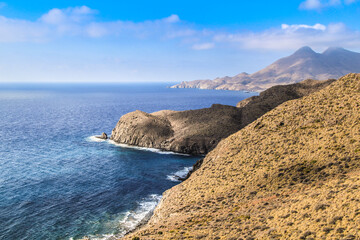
x: 199, y: 131
x: 292, y: 174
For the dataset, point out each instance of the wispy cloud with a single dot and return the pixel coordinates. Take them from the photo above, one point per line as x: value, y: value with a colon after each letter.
x: 320, y: 4
x: 203, y: 46
x: 294, y: 36
x: 3, y: 4
x: 82, y: 22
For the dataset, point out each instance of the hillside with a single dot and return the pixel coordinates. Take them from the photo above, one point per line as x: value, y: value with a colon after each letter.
x: 199, y: 131
x: 292, y: 174
x: 303, y: 64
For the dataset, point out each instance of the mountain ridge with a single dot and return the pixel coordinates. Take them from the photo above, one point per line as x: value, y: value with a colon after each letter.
x: 291, y: 174
x: 303, y: 64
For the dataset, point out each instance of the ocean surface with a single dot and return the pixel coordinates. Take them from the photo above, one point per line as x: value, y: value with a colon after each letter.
x: 59, y: 182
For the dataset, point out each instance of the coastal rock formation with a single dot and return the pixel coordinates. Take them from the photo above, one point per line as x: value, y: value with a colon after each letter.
x: 103, y: 136
x: 192, y: 132
x: 303, y: 64
x: 294, y: 173
x: 199, y: 131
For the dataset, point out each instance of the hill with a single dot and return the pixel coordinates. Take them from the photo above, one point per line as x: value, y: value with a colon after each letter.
x: 199, y: 131
x: 292, y: 174
x: 303, y: 64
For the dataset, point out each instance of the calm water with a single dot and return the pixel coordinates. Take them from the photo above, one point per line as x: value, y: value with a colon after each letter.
x: 55, y: 183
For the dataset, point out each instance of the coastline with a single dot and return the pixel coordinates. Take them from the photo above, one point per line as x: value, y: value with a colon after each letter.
x: 95, y: 138
x: 172, y: 176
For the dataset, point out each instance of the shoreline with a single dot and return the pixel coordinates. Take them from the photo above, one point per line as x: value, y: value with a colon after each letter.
x: 142, y: 223
x: 95, y: 138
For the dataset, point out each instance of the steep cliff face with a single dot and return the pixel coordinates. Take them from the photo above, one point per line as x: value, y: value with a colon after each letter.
x: 199, y: 131
x: 303, y: 64
x: 292, y: 174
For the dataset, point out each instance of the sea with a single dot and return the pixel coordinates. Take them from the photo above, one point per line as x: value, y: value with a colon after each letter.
x: 57, y: 181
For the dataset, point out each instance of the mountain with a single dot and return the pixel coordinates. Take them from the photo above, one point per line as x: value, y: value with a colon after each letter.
x: 199, y: 131
x: 303, y: 64
x: 294, y: 173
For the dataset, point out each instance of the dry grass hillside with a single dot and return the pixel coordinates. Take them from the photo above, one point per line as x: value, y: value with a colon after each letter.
x: 199, y: 131
x: 292, y: 174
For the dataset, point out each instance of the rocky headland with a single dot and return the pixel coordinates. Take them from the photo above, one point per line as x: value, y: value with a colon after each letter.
x: 294, y: 173
x: 199, y: 131
x: 303, y: 64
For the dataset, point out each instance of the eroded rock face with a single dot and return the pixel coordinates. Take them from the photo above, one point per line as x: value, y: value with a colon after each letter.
x: 199, y: 131
x: 192, y: 132
x: 294, y: 173
x: 103, y: 136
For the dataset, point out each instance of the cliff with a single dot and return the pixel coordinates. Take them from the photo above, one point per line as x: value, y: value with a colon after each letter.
x: 294, y: 173
x: 199, y: 131
x: 303, y: 64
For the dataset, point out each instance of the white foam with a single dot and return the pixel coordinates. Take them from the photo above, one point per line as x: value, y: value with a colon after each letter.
x: 175, y: 177
x: 95, y: 139
x: 134, y: 218
x: 156, y: 150
x: 123, y: 145
x: 131, y: 219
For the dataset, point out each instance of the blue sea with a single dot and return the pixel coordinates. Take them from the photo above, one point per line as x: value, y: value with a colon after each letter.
x: 58, y: 182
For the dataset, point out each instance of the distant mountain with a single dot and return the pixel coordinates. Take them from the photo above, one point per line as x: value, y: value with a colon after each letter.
x: 303, y: 64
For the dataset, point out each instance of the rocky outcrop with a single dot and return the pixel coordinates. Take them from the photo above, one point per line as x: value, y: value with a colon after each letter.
x: 303, y: 64
x: 291, y: 174
x: 199, y: 131
x: 191, y: 132
x: 103, y: 136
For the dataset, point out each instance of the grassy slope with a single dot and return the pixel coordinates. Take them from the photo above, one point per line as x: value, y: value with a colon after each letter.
x: 293, y: 173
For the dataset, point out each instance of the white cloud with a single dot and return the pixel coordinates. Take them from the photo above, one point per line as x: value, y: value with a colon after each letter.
x: 320, y: 4
x: 203, y: 46
x: 81, y: 22
x: 296, y: 27
x: 311, y: 4
x: 294, y: 36
x: 172, y: 19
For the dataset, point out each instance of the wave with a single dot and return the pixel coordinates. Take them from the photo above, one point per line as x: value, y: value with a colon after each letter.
x: 175, y: 177
x: 156, y: 150
x: 95, y: 138
x: 132, y: 219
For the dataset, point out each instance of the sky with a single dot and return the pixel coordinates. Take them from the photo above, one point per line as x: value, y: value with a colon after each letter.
x: 163, y: 41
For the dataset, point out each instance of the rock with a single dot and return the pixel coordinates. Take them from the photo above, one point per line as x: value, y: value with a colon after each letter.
x: 191, y: 132
x: 195, y: 167
x: 103, y: 136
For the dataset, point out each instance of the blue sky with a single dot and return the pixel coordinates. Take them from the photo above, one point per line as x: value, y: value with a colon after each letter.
x: 170, y: 41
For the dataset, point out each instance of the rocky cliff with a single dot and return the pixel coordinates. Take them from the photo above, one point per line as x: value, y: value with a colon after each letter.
x: 303, y: 64
x: 199, y: 131
x: 294, y: 173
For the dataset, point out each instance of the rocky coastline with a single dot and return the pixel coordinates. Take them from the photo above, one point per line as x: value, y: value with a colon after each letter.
x: 197, y: 132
